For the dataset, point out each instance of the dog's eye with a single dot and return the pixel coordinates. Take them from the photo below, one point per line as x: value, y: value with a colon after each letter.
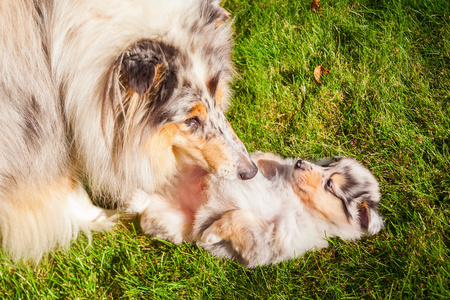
x: 330, y: 184
x: 193, y: 122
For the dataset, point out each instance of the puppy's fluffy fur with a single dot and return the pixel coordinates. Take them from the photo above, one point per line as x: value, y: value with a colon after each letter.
x: 122, y: 93
x: 290, y: 207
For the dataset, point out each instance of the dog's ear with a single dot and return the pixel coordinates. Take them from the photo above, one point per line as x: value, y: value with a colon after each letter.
x: 213, y: 12
x: 141, y: 65
x: 270, y: 168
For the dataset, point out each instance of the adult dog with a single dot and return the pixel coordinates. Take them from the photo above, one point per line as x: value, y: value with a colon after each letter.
x: 120, y: 92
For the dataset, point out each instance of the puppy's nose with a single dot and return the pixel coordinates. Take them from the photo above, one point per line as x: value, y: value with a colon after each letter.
x: 299, y: 164
x: 249, y: 172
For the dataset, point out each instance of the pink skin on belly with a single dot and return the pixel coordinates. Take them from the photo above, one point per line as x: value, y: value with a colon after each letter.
x: 190, y: 190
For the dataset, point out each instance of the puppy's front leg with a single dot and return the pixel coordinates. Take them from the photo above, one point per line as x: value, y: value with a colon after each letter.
x: 160, y: 217
x: 250, y: 237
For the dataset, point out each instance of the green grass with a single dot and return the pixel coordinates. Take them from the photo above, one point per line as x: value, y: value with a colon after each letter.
x: 386, y: 102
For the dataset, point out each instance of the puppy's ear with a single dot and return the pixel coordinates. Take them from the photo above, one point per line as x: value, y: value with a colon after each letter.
x: 364, y: 215
x: 326, y: 162
x: 249, y: 238
x: 270, y: 168
x: 141, y: 65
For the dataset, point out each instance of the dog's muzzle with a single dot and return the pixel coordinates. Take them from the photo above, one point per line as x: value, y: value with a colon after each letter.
x: 247, y: 170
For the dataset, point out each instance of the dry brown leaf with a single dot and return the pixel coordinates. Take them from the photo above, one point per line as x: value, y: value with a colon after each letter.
x: 314, y: 6
x: 318, y: 73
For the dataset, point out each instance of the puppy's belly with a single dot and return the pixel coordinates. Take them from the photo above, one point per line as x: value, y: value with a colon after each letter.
x: 190, y: 191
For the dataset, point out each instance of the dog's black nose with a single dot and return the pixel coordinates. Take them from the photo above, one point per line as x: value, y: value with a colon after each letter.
x: 299, y: 164
x: 248, y: 173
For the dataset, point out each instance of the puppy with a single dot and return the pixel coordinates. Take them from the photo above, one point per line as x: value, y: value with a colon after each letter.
x: 290, y: 207
x: 120, y: 94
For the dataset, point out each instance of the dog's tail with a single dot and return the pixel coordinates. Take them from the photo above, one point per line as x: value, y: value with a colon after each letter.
x: 35, y: 221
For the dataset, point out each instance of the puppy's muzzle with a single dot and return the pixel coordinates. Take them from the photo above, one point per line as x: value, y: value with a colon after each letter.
x: 299, y: 165
x: 303, y: 165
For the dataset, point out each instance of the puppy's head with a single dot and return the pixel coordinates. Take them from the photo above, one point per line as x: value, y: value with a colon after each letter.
x: 167, y: 97
x: 339, y: 190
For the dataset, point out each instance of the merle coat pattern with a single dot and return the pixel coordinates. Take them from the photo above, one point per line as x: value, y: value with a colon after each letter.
x: 119, y: 93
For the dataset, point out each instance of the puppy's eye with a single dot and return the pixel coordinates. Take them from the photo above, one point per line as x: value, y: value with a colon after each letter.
x: 193, y: 122
x: 329, y: 184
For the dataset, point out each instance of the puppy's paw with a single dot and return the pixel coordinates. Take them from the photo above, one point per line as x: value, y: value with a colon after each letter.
x: 240, y: 235
x: 209, y: 237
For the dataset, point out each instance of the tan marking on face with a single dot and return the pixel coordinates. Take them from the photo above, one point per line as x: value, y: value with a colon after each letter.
x: 199, y: 110
x: 159, y: 148
x: 308, y: 185
x: 338, y: 179
x: 209, y: 154
x: 171, y: 144
x: 331, y: 206
x: 163, y: 138
x: 219, y: 95
x: 215, y: 154
x: 313, y: 179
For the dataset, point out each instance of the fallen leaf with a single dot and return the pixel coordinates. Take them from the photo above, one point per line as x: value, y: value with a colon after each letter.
x: 318, y: 73
x: 314, y: 6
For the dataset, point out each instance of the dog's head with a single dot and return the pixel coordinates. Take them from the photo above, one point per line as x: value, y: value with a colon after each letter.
x: 339, y: 190
x: 167, y: 96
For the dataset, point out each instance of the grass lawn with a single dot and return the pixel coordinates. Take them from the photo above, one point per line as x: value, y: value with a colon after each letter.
x: 386, y: 102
